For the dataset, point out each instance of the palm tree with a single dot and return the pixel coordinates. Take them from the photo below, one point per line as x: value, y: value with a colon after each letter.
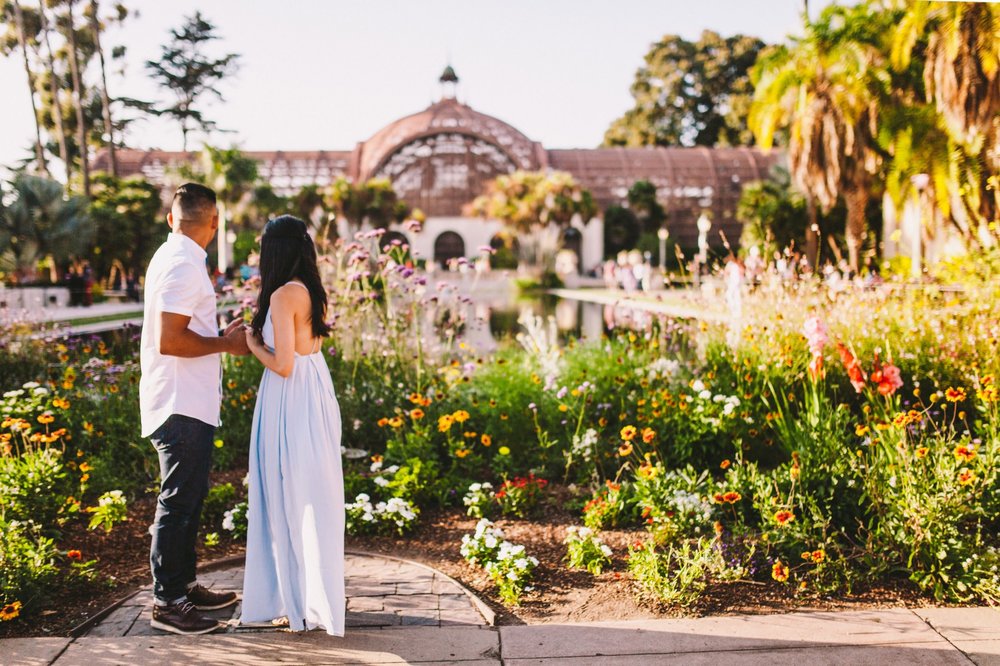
x: 961, y: 46
x: 22, y: 41
x: 95, y: 29
x: 42, y: 222
x: 74, y: 68
x: 54, y: 90
x: 825, y: 90
x: 232, y: 175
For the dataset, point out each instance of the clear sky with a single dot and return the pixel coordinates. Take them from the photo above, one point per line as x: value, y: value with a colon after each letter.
x: 325, y: 74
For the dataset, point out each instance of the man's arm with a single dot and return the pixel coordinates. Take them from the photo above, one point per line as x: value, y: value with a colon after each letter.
x: 176, y: 339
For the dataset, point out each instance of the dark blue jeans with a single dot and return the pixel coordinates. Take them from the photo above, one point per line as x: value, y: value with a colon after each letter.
x: 184, y: 445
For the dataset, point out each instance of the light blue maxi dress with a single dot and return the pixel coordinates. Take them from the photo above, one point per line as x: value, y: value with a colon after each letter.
x: 295, y: 537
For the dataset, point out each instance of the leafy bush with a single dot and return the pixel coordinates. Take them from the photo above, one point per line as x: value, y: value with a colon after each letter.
x: 585, y: 550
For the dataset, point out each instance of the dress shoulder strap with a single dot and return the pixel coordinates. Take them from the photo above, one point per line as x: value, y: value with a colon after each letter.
x: 296, y: 282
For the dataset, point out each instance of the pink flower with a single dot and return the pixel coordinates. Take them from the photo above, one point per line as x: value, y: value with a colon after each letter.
x: 890, y: 380
x: 815, y: 331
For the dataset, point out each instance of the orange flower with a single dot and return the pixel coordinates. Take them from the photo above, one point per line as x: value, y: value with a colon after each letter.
x: 486, y: 440
x: 725, y: 464
x: 396, y: 422
x: 415, y: 398
x: 965, y: 476
x: 468, y: 434
x: 819, y: 556
x: 461, y: 453
x: 382, y: 422
x: 10, y: 611
x: 46, y: 418
x: 719, y: 529
x: 85, y: 467
x: 74, y: 555
x: 779, y: 572
x: 625, y: 449
x: 807, y: 555
x: 416, y: 414
x: 719, y: 498
x: 783, y: 517
x: 965, y: 453
x: 954, y: 394
x: 648, y: 434
x: 628, y: 433
x: 988, y: 394
x: 731, y: 497
x: 854, y: 371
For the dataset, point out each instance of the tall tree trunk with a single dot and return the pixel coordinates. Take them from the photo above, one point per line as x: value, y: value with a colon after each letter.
x: 95, y: 26
x: 812, y: 234
x: 81, y: 125
x: 22, y: 40
x: 54, y: 90
x: 857, y: 202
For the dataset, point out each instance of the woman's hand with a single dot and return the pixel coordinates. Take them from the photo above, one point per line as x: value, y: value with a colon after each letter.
x: 254, y: 342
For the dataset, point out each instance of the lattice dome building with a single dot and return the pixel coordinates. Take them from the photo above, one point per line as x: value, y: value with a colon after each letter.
x: 441, y: 158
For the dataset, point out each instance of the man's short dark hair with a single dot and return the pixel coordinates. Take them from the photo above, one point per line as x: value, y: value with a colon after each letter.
x: 196, y: 202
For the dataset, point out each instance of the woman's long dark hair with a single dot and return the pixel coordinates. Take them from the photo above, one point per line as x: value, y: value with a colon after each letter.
x: 287, y: 253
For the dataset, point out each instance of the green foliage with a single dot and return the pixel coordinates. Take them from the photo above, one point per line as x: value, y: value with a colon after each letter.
x: 510, y: 567
x: 677, y: 576
x: 111, y: 509
x: 34, y: 486
x: 235, y: 520
x: 127, y: 224
x: 219, y: 499
x: 585, y: 550
x: 27, y: 563
x: 774, y: 216
x: 690, y: 94
x: 185, y: 70
x: 621, y: 230
x: 38, y: 220
x: 520, y: 496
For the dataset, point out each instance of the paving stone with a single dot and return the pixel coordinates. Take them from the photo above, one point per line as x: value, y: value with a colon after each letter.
x: 352, y: 619
x: 414, y: 588
x: 982, y: 653
x: 963, y: 624
x: 31, y: 651
x: 397, y: 601
x: 454, y: 601
x: 426, y: 618
x: 467, y: 617
x: 110, y: 630
x: 372, y: 590
x: 365, y: 603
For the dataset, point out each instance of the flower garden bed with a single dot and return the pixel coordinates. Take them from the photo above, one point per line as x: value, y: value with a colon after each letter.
x: 833, y: 446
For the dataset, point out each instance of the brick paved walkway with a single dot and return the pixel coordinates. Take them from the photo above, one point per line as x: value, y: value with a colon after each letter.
x: 382, y: 592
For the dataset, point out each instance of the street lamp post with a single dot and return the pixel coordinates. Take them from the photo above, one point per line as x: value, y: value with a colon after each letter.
x: 704, y: 226
x: 663, y: 234
x: 920, y: 181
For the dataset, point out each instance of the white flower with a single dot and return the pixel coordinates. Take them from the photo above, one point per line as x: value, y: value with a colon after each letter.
x: 606, y: 550
x: 705, y: 395
x: 381, y: 481
x: 698, y: 386
x: 30, y: 385
x: 376, y: 466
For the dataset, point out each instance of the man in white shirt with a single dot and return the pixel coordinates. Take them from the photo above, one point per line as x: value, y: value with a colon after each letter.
x: 180, y: 394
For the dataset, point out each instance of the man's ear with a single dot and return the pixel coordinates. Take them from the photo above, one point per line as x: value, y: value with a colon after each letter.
x: 170, y: 220
x: 215, y: 219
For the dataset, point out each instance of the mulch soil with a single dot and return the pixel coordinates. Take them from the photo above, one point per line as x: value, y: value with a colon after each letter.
x: 559, y: 595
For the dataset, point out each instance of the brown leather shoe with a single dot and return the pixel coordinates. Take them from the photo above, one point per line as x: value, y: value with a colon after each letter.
x: 205, y: 599
x: 182, y: 618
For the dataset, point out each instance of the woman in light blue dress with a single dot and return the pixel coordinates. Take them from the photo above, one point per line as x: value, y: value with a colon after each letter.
x: 295, y: 538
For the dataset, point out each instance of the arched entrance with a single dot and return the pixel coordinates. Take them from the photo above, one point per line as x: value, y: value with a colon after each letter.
x: 389, y: 237
x: 448, y: 246
x: 572, y: 240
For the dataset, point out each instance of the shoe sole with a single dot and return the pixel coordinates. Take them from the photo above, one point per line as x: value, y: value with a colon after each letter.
x: 218, y: 606
x: 162, y: 626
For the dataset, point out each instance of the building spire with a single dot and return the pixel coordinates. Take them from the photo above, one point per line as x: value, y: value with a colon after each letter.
x: 449, y: 82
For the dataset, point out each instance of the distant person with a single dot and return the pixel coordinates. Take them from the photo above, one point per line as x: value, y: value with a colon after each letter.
x: 179, y: 399
x: 295, y: 539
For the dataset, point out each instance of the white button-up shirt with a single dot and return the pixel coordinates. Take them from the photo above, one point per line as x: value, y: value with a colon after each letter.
x: 177, y: 281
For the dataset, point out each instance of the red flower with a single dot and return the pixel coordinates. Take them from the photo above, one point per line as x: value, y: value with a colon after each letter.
x: 854, y: 371
x: 74, y: 555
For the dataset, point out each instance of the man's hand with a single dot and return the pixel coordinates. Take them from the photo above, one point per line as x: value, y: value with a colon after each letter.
x: 236, y: 339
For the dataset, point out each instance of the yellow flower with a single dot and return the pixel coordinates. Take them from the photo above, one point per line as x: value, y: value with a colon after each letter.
x: 504, y: 451
x: 779, y: 572
x: 445, y: 422
x: 861, y: 430
x: 819, y: 556
x: 965, y: 453
x: 486, y: 440
x: 461, y: 453
x: 46, y: 418
x: 563, y: 408
x: 84, y: 478
x: 461, y: 416
x: 784, y: 517
x: 10, y: 611
x: 625, y: 449
x: 219, y: 443
x: 955, y: 394
x: 648, y: 434
x: 85, y: 467
x: 965, y: 476
x: 922, y: 451
x: 396, y: 422
x: 602, y: 422
x: 416, y: 414
x: 628, y: 433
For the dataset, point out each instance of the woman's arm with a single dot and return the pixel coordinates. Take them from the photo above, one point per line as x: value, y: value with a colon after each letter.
x: 282, y: 359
